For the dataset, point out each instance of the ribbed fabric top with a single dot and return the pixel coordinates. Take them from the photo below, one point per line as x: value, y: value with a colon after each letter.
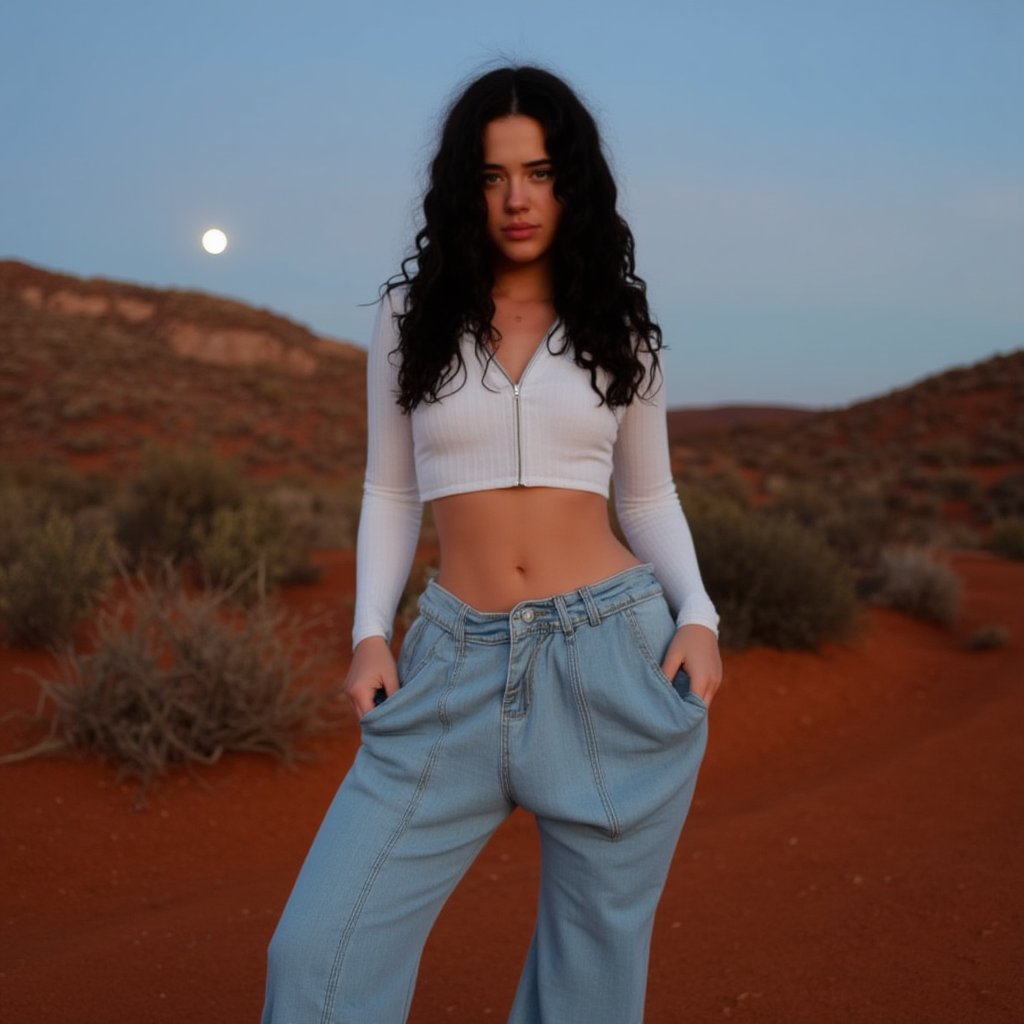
x: 548, y: 430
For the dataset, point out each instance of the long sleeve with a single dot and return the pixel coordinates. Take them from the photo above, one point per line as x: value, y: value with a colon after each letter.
x: 389, y: 523
x: 650, y: 513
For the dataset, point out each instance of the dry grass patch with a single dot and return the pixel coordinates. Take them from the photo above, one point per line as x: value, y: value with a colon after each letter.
x: 180, y: 678
x: 912, y: 580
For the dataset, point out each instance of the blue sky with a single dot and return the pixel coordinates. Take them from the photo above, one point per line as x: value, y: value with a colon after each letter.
x: 828, y: 197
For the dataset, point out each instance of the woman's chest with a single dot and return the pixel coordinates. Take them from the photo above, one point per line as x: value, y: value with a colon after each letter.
x: 550, y: 412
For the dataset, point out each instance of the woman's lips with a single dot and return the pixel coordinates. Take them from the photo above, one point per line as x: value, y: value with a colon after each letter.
x: 519, y: 232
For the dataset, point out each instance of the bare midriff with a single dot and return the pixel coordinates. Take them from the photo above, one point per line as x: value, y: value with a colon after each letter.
x: 500, y: 547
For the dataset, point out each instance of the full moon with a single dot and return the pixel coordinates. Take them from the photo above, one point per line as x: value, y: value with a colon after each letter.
x: 215, y: 241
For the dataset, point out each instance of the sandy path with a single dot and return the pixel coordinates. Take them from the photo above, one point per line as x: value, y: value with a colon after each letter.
x: 853, y: 855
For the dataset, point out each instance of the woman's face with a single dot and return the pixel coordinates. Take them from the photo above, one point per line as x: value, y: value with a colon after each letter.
x: 519, y: 186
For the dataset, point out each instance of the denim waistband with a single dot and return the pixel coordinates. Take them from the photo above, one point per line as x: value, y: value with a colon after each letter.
x: 587, y: 605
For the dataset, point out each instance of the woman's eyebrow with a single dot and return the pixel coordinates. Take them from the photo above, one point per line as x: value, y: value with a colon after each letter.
x: 529, y: 163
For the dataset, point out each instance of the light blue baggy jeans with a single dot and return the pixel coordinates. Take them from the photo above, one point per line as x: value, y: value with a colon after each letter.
x: 559, y: 707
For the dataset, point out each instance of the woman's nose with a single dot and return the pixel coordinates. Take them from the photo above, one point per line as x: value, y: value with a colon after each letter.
x: 515, y: 198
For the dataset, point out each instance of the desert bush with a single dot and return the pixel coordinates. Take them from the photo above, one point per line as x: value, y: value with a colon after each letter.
x: 1007, y: 538
x: 725, y: 482
x: 81, y: 407
x: 988, y: 638
x: 912, y: 580
x: 172, y: 500
x: 773, y: 581
x: 956, y: 485
x: 177, y: 678
x: 20, y: 509
x: 1006, y: 497
x: 326, y: 517
x: 36, y: 398
x: 88, y: 442
x: 913, y: 516
x: 998, y: 443
x: 50, y: 576
x: 252, y: 548
x: 947, y: 451
x: 852, y: 520
x: 30, y: 490
x: 274, y: 390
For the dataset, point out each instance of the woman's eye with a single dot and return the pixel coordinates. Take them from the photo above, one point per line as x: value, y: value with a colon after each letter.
x: 491, y: 178
x: 543, y: 174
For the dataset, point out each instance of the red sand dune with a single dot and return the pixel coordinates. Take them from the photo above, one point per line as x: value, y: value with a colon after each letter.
x: 853, y: 854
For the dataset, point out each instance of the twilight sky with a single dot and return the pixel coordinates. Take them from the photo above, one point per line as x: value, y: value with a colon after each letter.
x: 827, y: 195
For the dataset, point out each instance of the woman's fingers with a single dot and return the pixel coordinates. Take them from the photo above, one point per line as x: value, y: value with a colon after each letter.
x: 695, y: 648
x: 372, y: 671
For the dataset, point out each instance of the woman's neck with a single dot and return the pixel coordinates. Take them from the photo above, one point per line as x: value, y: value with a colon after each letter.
x: 523, y: 283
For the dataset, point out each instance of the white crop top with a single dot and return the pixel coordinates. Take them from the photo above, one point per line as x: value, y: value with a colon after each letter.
x: 549, y: 430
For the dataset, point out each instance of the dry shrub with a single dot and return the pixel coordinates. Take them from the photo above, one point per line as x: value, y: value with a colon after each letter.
x: 988, y: 638
x: 193, y: 506
x: 773, y: 581
x: 255, y: 536
x: 51, y: 574
x: 1007, y: 539
x: 172, y: 500
x: 49, y: 486
x: 851, y: 519
x: 724, y: 482
x: 1005, y: 499
x: 912, y: 580
x: 328, y: 517
x: 178, y: 678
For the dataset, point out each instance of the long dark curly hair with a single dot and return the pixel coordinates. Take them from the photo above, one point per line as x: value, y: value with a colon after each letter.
x: 598, y: 296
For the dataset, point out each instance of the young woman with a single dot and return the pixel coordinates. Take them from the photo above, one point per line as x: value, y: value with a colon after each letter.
x: 512, y: 374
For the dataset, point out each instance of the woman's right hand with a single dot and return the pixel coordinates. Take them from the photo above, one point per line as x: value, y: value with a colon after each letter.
x: 372, y: 669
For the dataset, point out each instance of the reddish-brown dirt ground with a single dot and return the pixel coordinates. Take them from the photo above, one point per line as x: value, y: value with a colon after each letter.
x: 853, y: 854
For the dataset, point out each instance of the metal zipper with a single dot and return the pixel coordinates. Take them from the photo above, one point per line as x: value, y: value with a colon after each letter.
x: 519, y: 436
x: 517, y: 414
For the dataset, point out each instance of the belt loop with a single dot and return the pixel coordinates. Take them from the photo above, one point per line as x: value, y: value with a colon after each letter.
x: 459, y: 627
x: 593, y: 615
x: 563, y: 614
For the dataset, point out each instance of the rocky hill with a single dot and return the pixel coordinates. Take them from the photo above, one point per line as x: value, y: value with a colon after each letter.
x: 950, y: 448
x: 91, y: 370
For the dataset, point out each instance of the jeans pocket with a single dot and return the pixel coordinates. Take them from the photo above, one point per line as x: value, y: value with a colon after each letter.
x: 416, y: 655
x: 681, y: 684
x: 653, y: 627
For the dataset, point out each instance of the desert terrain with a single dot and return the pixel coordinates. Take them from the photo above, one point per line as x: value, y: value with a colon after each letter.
x: 853, y: 851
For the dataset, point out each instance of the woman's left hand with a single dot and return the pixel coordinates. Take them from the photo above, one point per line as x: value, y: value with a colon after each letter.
x: 695, y: 648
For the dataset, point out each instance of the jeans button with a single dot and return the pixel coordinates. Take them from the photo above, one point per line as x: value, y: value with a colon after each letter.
x: 527, y: 615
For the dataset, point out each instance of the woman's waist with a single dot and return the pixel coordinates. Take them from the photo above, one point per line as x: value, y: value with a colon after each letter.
x: 519, y: 515
x: 586, y: 602
x: 502, y: 547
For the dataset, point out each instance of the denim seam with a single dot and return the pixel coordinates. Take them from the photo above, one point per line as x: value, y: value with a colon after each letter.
x: 503, y: 767
x: 614, y: 827
x: 644, y: 647
x: 389, y: 845
x: 524, y: 688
